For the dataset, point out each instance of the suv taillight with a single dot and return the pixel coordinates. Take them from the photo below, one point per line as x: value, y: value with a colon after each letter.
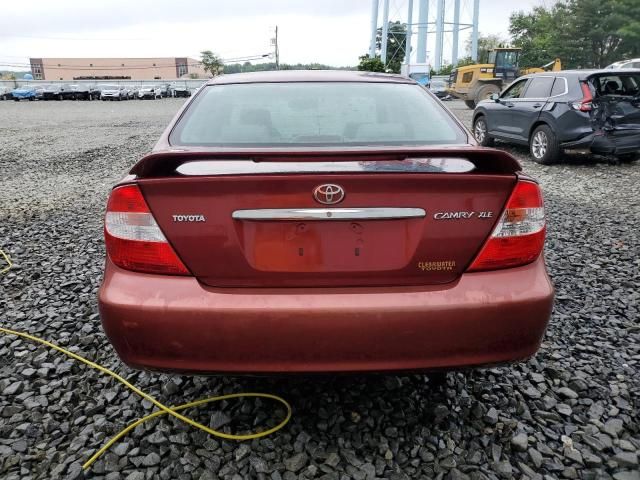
x: 584, y: 105
x: 133, y: 239
x: 518, y: 238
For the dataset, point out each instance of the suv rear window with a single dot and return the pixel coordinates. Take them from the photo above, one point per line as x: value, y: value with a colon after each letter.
x: 627, y: 84
x: 315, y: 114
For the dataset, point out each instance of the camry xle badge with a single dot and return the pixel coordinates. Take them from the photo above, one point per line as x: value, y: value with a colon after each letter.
x: 461, y: 215
x: 328, y: 193
x: 189, y: 218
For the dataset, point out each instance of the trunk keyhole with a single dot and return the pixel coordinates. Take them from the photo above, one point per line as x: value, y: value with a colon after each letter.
x: 301, y: 251
x: 357, y: 251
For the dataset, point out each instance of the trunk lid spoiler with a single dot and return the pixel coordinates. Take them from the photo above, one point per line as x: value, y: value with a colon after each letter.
x: 167, y: 163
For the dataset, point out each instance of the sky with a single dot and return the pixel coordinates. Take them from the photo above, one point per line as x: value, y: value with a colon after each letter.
x: 333, y: 32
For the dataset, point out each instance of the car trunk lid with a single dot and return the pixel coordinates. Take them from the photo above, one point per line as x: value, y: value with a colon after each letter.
x: 407, y: 217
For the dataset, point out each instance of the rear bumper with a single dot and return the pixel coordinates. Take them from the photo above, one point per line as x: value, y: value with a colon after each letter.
x: 176, y: 324
x: 615, y: 143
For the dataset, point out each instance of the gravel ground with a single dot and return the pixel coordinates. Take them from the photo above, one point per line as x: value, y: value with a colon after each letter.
x: 570, y: 412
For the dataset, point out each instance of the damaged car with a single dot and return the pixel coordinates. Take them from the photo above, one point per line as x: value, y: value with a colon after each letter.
x: 595, y: 110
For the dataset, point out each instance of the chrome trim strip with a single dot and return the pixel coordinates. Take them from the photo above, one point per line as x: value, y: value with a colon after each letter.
x: 249, y: 167
x: 365, y: 213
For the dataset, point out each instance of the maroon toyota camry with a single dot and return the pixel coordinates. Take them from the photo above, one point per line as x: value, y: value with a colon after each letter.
x: 322, y: 222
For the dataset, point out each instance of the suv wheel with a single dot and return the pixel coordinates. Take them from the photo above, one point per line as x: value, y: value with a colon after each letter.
x: 480, y: 132
x: 544, y: 146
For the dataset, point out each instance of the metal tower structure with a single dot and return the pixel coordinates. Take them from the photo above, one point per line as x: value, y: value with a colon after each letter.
x: 440, y: 23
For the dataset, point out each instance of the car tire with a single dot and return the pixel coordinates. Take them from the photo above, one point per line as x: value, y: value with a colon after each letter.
x: 629, y: 157
x: 31, y: 99
x: 16, y: 99
x: 544, y: 146
x: 470, y: 104
x: 480, y: 132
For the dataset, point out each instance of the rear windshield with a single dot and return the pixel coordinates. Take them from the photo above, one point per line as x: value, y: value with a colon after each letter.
x: 622, y: 84
x: 315, y: 114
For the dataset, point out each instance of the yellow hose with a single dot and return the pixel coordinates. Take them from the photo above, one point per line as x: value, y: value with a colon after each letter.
x: 8, y: 260
x: 164, y: 410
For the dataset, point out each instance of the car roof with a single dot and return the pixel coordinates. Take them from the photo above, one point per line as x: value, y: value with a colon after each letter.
x: 583, y: 74
x: 283, y: 76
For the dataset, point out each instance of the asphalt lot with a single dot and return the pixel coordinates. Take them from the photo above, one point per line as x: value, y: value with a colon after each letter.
x: 571, y: 412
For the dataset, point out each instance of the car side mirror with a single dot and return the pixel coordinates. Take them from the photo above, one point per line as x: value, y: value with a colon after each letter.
x: 495, y: 97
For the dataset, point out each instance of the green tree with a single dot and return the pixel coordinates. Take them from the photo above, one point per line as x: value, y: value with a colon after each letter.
x: 445, y: 69
x: 369, y: 64
x: 211, y: 62
x: 582, y: 33
x: 630, y: 29
x: 465, y: 61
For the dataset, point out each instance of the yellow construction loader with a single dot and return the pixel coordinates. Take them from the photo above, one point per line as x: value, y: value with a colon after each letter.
x: 473, y: 83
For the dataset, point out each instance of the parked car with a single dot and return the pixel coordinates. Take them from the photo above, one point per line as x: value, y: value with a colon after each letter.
x: 24, y: 92
x: 632, y: 63
x: 439, y: 88
x: 40, y: 88
x: 149, y: 91
x: 573, y: 109
x: 180, y: 91
x: 112, y: 92
x: 5, y: 92
x: 84, y: 92
x: 57, y: 91
x: 323, y: 221
x: 131, y: 91
x: 165, y: 90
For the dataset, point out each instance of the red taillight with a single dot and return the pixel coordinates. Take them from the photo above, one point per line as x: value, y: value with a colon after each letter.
x: 584, y: 105
x: 518, y: 238
x: 133, y: 239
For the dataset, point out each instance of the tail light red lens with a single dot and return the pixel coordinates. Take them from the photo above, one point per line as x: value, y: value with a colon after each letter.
x: 518, y: 238
x: 133, y: 239
x: 584, y: 105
